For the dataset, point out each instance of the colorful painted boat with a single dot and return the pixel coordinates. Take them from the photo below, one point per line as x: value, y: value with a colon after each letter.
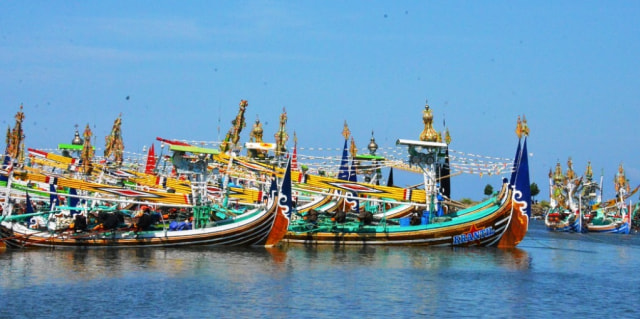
x: 502, y: 221
x: 610, y: 220
x: 263, y: 225
x: 562, y: 220
x: 564, y: 213
x: 613, y: 216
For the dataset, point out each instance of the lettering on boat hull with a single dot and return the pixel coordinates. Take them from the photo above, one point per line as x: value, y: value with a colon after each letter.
x: 473, y: 235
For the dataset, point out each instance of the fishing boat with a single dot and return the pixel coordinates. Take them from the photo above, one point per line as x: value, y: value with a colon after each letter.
x: 615, y: 215
x: 564, y: 214
x: 209, y: 224
x: 500, y: 221
x: 205, y: 222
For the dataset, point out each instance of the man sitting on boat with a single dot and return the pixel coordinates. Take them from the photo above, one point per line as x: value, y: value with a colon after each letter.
x: 365, y: 217
x: 142, y: 219
x: 107, y: 220
x: 339, y: 217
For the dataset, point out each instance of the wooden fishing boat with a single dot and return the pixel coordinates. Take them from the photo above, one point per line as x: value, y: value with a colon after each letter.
x: 613, y: 216
x: 210, y: 223
x: 615, y: 219
x: 501, y: 221
x: 564, y: 214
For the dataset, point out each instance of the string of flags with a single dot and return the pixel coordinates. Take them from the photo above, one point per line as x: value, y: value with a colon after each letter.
x: 459, y: 162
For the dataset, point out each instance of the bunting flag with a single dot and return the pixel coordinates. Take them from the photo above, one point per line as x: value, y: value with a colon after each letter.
x: 151, y: 161
x: 343, y: 171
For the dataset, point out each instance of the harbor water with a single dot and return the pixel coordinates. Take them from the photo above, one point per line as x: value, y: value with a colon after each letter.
x: 548, y: 275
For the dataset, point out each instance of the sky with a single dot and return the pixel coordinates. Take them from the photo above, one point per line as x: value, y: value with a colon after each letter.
x: 571, y: 67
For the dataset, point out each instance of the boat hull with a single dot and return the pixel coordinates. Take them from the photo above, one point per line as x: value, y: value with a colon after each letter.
x: 616, y: 228
x: 571, y: 223
x: 252, y: 230
x: 485, y: 228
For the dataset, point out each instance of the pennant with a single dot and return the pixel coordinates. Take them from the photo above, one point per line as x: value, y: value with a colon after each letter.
x: 151, y: 161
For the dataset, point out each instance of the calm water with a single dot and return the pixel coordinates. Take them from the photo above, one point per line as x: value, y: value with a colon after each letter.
x: 550, y: 274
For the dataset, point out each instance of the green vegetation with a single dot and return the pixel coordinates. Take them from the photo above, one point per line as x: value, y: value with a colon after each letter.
x: 534, y: 190
x: 488, y: 190
x: 467, y: 201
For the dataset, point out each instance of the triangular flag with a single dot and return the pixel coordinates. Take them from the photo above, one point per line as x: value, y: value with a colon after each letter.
x: 151, y: 161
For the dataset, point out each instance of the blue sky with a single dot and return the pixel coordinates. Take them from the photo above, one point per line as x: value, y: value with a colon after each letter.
x: 571, y: 67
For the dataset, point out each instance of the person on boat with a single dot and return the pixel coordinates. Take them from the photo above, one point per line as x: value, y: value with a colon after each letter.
x: 365, y: 217
x: 311, y: 216
x: 142, y: 220
x: 80, y: 223
x: 416, y: 218
x: 339, y: 217
x: 107, y: 221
